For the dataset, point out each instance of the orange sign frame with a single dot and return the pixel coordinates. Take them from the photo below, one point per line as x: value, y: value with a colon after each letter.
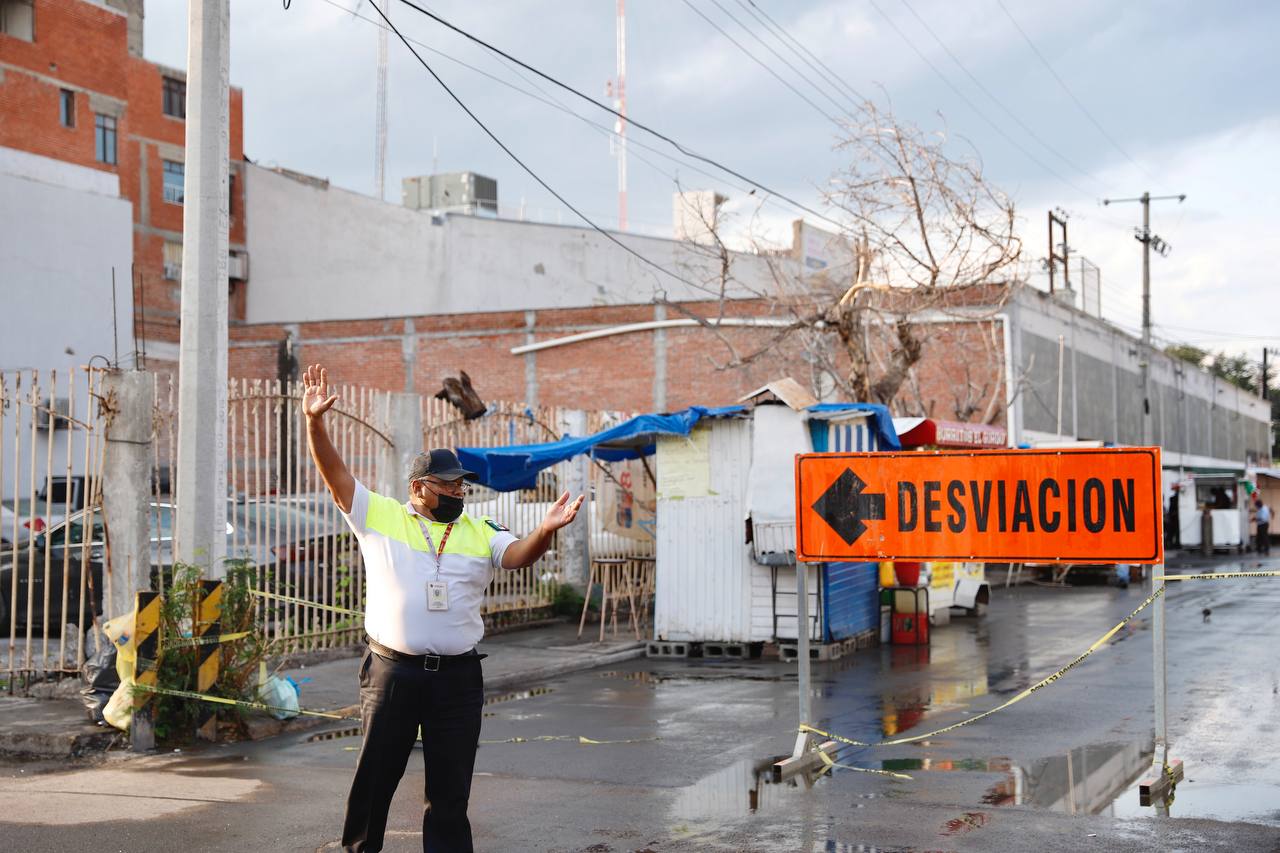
x: 1094, y: 505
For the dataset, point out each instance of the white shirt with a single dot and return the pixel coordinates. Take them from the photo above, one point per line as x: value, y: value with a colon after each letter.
x: 398, y: 565
x: 1264, y: 514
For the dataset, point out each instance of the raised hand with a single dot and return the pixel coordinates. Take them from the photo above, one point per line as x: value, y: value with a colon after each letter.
x: 316, y: 393
x: 561, y: 513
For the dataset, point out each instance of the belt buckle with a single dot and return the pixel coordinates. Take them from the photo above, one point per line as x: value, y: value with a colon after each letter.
x: 431, y: 663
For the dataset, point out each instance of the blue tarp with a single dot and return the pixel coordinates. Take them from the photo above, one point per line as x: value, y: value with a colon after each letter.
x: 517, y: 467
x: 881, y: 420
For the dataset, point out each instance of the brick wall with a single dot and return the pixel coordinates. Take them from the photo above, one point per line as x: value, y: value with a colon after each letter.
x: 83, y: 47
x: 961, y: 366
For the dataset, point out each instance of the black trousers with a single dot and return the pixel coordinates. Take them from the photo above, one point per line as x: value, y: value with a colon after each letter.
x: 395, y: 699
x: 1264, y: 538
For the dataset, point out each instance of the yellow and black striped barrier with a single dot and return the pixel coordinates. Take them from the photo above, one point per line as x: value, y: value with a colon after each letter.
x: 208, y: 623
x: 146, y: 639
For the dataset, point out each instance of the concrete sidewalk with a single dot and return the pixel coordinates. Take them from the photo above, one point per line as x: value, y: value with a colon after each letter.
x: 59, y: 728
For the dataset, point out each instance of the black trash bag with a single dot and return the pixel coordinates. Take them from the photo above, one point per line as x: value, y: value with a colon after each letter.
x: 101, y: 681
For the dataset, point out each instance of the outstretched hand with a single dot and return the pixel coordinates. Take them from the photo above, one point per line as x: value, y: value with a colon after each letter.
x: 562, y: 512
x: 316, y: 393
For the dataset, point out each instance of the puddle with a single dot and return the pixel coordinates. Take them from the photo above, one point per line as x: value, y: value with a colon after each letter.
x: 1086, y: 780
x: 741, y: 789
x: 334, y: 735
x: 900, y: 713
x: 1255, y: 803
x: 643, y: 677
x: 517, y: 695
x: 947, y: 765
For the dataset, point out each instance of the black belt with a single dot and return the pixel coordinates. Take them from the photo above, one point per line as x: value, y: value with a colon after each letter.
x: 431, y: 663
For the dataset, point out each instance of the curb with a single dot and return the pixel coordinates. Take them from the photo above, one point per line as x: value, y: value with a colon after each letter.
x: 76, y: 744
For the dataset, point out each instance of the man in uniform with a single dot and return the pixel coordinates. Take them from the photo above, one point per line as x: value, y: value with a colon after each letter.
x: 427, y: 565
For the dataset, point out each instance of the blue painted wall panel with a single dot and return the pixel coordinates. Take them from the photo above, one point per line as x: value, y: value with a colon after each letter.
x: 850, y: 599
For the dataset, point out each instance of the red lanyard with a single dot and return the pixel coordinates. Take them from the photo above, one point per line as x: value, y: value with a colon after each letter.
x: 437, y: 552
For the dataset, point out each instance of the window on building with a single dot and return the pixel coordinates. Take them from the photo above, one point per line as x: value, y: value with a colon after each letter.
x: 104, y: 138
x: 172, y: 260
x: 18, y: 19
x: 174, y: 177
x: 175, y: 97
x: 67, y: 107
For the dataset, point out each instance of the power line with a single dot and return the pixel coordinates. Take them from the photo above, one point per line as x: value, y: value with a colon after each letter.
x: 556, y: 104
x: 993, y: 98
x: 1223, y: 333
x: 817, y: 86
x: 525, y: 167
x: 631, y: 121
x: 832, y: 75
x: 994, y: 126
x: 766, y: 67
x: 1067, y: 89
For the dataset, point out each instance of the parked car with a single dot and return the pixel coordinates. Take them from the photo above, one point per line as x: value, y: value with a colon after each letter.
x: 294, y: 534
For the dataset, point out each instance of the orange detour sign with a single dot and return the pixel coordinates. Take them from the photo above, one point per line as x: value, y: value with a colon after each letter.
x: 1036, y: 506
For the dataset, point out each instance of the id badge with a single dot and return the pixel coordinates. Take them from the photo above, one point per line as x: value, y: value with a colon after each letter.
x: 437, y: 595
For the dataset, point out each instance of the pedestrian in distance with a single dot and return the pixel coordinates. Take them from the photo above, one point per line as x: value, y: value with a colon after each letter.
x: 427, y: 565
x: 1262, y: 517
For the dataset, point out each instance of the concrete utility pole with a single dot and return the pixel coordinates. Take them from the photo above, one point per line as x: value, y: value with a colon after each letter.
x: 617, y: 89
x: 380, y: 130
x: 202, y: 368
x: 1160, y: 766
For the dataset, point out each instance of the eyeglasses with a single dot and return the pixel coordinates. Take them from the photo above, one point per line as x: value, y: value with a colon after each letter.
x: 456, y: 487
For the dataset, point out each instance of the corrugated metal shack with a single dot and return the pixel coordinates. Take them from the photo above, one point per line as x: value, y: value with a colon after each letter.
x: 726, y: 525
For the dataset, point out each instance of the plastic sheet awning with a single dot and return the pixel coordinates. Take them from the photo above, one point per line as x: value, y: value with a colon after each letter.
x: 516, y: 467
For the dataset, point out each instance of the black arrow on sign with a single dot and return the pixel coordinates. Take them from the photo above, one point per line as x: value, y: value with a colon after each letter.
x: 845, y: 507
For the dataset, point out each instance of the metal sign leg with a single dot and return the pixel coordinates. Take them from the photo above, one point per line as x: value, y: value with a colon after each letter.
x: 805, y: 754
x: 1164, y: 772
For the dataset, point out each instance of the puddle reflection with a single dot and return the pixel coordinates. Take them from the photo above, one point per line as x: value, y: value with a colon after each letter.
x: 1255, y: 803
x: 1086, y: 780
x: 743, y: 788
x: 517, y: 695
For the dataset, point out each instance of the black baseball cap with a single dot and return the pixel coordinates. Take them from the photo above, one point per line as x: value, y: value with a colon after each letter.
x: 441, y: 463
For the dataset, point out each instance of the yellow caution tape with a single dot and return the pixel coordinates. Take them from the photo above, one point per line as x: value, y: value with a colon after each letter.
x: 241, y: 703
x: 204, y: 641
x: 1214, y: 576
x: 302, y: 601
x: 1045, y: 682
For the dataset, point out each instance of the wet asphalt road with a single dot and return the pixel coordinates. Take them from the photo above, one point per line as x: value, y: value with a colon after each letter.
x: 1054, y: 772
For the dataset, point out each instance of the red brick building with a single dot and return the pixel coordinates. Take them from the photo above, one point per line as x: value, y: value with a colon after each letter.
x: 74, y: 86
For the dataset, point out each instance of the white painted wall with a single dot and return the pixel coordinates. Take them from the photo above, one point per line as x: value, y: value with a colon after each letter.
x: 62, y: 230
x: 323, y: 253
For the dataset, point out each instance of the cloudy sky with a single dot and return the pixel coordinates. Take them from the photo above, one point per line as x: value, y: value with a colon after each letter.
x: 1168, y: 97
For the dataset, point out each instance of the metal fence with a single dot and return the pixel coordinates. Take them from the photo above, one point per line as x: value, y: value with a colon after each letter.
x: 522, y: 510
x: 280, y: 517
x: 52, y: 543
x: 282, y: 520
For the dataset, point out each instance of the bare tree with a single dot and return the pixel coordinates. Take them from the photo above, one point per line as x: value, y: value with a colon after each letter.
x: 926, y: 238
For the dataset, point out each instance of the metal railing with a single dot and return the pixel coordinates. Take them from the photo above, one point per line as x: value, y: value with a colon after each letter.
x: 280, y: 517
x: 52, y: 546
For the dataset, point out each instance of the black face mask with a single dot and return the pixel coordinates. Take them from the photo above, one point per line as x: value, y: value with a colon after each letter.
x: 448, y: 508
